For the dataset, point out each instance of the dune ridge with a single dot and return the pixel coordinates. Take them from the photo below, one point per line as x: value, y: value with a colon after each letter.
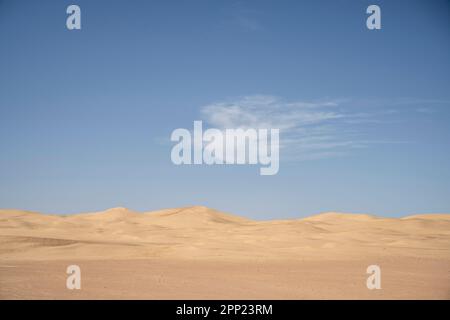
x: 199, y: 232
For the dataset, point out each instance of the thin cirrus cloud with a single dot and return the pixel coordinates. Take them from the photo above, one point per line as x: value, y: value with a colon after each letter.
x: 308, y: 130
x: 245, y: 18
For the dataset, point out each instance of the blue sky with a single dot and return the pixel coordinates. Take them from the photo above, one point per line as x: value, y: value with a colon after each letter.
x: 86, y: 116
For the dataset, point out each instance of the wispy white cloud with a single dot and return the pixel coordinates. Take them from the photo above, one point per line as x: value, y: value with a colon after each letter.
x: 426, y: 110
x: 245, y: 18
x: 309, y: 129
x: 268, y: 112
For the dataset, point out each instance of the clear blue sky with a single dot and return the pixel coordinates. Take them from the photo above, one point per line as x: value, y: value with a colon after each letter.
x: 86, y: 116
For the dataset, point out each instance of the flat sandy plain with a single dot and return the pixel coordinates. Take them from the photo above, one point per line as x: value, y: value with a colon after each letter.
x: 201, y: 253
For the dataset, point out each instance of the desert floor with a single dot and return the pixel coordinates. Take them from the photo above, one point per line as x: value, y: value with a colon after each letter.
x: 201, y: 253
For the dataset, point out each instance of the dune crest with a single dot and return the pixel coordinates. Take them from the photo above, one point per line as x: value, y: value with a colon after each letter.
x: 339, y: 216
x: 190, y: 216
x: 200, y: 232
x: 109, y: 214
x: 429, y: 216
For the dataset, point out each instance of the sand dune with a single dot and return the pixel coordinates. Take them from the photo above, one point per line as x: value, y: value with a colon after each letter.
x: 206, y: 237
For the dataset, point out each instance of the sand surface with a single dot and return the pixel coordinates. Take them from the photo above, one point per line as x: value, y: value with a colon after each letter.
x: 201, y: 253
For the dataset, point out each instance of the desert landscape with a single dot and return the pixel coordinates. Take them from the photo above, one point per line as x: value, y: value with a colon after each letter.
x: 201, y: 253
